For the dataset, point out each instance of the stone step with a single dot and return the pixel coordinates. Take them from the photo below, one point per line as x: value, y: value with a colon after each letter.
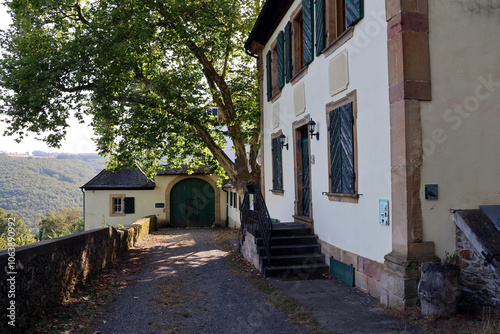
x: 296, y: 270
x: 287, y: 229
x: 289, y: 240
x: 290, y: 260
x: 291, y: 249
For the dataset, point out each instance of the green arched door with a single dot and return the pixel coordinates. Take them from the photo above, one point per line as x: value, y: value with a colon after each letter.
x: 192, y: 204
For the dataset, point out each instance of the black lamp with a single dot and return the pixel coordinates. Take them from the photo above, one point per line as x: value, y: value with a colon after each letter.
x: 282, y: 138
x: 312, y: 125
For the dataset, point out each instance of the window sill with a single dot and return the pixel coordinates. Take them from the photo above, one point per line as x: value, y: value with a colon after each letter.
x: 338, y: 42
x: 277, y: 192
x: 348, y: 198
x: 276, y: 96
x: 296, y: 78
x: 117, y: 215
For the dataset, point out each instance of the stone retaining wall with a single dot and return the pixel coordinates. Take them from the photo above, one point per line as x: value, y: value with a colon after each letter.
x: 480, y: 285
x: 47, y: 272
x: 249, y: 250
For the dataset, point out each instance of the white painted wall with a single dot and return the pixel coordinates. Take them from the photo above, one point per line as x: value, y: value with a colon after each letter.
x: 234, y: 212
x: 352, y: 227
x: 461, y: 125
x: 97, y: 204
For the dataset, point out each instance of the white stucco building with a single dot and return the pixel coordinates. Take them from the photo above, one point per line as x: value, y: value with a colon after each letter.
x: 406, y: 104
x: 177, y: 199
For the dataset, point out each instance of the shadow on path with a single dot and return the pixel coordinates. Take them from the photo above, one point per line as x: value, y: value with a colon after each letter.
x: 183, y: 286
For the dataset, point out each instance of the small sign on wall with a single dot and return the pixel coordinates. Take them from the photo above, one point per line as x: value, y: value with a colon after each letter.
x: 383, y: 216
x: 159, y: 205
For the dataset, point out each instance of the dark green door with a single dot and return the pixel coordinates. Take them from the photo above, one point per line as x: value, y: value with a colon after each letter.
x: 192, y: 204
x: 306, y: 176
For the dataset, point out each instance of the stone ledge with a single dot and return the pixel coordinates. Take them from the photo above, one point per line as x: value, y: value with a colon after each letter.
x: 47, y: 272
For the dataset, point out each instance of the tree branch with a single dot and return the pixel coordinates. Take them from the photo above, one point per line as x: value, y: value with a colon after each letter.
x: 74, y: 89
x: 81, y: 18
x: 217, y: 152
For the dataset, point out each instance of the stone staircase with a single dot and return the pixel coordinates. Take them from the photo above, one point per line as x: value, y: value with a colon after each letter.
x: 295, y: 252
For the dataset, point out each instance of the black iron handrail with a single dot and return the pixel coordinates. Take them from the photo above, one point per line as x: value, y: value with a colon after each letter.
x: 254, y: 214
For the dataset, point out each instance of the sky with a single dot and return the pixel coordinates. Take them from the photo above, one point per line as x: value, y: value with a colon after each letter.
x: 78, y: 138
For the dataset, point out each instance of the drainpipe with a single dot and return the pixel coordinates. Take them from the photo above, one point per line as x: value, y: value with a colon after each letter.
x: 83, y: 191
x: 227, y: 206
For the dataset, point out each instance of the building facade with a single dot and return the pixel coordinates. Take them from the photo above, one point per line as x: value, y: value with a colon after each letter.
x: 177, y: 199
x: 379, y: 118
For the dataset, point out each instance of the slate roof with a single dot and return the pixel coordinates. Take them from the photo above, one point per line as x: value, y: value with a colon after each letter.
x: 165, y: 170
x: 131, y: 179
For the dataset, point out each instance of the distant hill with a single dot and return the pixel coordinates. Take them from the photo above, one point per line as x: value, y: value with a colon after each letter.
x: 30, y: 186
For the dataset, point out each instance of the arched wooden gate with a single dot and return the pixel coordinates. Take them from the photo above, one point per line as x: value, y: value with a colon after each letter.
x: 192, y: 203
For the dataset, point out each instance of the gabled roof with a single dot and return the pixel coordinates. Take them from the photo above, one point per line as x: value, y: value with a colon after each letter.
x: 270, y: 16
x: 131, y: 179
x: 165, y: 170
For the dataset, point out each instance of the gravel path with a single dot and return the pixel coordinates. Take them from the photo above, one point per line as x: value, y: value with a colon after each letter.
x: 184, y: 286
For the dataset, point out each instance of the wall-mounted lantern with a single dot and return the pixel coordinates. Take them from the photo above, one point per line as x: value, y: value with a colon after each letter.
x: 312, y: 126
x: 282, y: 139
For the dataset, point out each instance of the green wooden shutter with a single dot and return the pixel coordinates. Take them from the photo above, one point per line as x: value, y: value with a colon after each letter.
x: 342, y: 150
x: 281, y: 59
x: 335, y: 152
x: 320, y: 26
x: 277, y: 165
x: 288, y: 52
x: 308, y: 30
x: 231, y: 198
x: 129, y: 205
x: 268, y: 76
x: 347, y: 142
x: 353, y: 12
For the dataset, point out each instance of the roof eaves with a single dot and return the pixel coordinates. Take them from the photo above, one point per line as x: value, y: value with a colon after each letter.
x: 270, y: 16
x: 117, y: 188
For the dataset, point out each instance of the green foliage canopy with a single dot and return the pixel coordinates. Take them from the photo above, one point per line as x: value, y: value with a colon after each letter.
x: 144, y: 70
x: 32, y: 186
x: 59, y: 223
x: 22, y: 234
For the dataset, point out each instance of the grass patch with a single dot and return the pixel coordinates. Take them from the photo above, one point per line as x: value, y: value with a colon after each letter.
x: 488, y: 322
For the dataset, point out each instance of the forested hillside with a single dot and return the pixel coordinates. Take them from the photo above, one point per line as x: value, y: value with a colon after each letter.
x: 30, y: 186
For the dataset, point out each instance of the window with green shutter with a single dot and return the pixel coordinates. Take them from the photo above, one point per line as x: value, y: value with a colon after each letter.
x: 297, y: 42
x: 353, y: 12
x: 268, y: 76
x: 280, y: 52
x: 129, y: 205
x: 117, y: 205
x: 275, y: 66
x: 277, y: 164
x: 308, y: 30
x: 333, y: 17
x: 342, y: 148
x: 320, y: 26
x: 288, y: 52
